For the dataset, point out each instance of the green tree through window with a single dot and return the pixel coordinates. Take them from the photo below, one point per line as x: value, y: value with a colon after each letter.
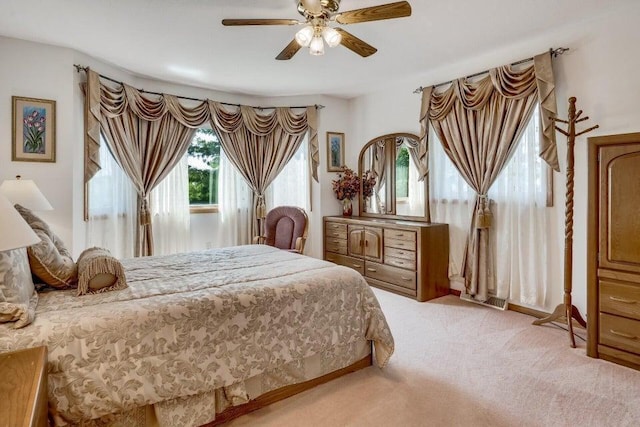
x: 204, y: 162
x: 402, y: 172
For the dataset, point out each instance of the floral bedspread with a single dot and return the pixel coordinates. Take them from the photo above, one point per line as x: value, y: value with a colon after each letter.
x: 192, y: 323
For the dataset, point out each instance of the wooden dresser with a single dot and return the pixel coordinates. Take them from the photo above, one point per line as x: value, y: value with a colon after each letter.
x: 405, y: 257
x: 23, y: 388
x: 613, y: 296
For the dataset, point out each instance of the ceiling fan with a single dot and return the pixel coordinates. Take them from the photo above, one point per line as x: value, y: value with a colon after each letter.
x: 318, y: 14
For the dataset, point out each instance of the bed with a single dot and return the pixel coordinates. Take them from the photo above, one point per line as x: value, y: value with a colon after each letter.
x: 196, y: 335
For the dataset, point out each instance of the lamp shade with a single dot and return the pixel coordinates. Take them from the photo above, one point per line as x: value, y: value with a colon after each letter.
x: 14, y: 231
x: 25, y: 192
x: 316, y: 47
x: 304, y: 36
x: 331, y: 36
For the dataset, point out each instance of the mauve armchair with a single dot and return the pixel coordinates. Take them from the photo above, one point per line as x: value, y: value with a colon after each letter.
x: 285, y: 228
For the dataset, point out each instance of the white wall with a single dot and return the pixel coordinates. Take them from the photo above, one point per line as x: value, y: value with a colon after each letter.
x: 38, y: 71
x: 601, y: 70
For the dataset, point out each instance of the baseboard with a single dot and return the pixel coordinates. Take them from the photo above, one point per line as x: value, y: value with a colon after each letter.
x: 530, y: 311
x: 513, y: 307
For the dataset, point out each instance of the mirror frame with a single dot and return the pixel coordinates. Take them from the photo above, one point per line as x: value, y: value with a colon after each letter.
x: 390, y: 176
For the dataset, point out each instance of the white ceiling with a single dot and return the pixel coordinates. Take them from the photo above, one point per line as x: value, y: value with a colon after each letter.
x: 183, y: 41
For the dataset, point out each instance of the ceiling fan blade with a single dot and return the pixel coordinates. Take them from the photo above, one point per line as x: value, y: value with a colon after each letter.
x: 375, y: 13
x: 288, y: 52
x: 233, y: 22
x: 355, y: 44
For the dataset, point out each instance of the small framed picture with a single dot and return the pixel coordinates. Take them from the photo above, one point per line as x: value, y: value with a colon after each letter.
x: 335, y: 151
x: 33, y: 130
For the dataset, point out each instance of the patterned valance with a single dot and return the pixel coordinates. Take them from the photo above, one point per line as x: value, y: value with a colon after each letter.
x: 503, y: 81
x: 103, y: 100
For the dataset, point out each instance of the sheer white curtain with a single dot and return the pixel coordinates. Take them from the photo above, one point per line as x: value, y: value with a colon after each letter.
x: 521, y: 218
x: 170, y: 212
x: 234, y: 206
x: 451, y: 202
x: 112, y: 208
x: 291, y: 186
x: 521, y: 222
x: 414, y: 204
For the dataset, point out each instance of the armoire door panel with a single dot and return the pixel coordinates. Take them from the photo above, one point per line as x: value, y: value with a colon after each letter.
x: 620, y: 208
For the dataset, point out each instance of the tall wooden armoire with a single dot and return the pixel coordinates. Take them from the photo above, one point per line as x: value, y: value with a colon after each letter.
x: 613, y: 251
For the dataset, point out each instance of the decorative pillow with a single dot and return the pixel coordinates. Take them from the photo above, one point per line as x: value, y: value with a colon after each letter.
x: 18, y: 298
x: 50, y: 260
x: 99, y: 271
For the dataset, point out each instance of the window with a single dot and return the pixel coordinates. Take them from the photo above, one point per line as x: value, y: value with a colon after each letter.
x: 203, y: 157
x: 521, y: 218
x: 291, y: 186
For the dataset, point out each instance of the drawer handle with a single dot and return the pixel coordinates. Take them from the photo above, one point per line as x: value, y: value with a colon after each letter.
x: 330, y: 259
x: 373, y: 270
x: 406, y: 279
x: 623, y: 300
x: 356, y: 265
x: 336, y: 241
x: 623, y: 335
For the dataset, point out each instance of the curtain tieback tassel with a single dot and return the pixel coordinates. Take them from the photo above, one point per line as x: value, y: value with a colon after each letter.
x: 484, y: 216
x: 261, y: 208
x: 145, y: 215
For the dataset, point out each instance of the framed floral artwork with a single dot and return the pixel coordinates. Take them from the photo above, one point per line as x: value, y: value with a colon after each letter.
x: 335, y: 151
x: 33, y: 130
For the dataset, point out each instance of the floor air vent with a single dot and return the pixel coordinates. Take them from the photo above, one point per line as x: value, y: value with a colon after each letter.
x: 492, y: 301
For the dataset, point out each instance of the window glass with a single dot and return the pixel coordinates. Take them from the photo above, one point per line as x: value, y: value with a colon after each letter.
x: 203, y: 158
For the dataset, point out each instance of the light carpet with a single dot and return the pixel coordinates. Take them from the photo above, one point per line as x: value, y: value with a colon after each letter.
x: 461, y: 364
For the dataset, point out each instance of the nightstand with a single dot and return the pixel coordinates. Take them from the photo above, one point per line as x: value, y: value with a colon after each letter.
x: 23, y: 389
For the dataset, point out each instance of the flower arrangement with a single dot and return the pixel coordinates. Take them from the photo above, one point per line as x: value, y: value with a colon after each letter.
x: 347, y: 185
x: 368, y: 183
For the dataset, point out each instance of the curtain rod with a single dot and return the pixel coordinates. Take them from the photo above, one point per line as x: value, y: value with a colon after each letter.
x: 81, y: 68
x: 554, y: 52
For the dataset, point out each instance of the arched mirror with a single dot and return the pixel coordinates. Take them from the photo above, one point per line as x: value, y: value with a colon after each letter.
x: 391, y: 185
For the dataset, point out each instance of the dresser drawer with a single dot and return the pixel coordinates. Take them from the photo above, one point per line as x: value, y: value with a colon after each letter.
x: 620, y: 332
x: 335, y: 229
x: 409, y: 236
x: 335, y: 245
x: 407, y: 254
x: 400, y: 262
x: 400, y: 244
x: 620, y: 299
x: 387, y: 273
x: 347, y: 261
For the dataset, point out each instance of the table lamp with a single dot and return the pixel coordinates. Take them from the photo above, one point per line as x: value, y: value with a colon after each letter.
x: 25, y: 192
x: 14, y: 231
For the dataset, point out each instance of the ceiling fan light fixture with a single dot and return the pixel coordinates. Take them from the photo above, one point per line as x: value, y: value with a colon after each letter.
x: 331, y: 36
x: 304, y: 36
x: 316, y: 47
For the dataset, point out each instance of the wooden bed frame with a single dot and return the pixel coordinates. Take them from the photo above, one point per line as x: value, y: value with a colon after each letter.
x: 286, y: 391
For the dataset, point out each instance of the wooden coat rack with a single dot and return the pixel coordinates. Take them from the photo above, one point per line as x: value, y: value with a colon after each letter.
x: 567, y: 311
